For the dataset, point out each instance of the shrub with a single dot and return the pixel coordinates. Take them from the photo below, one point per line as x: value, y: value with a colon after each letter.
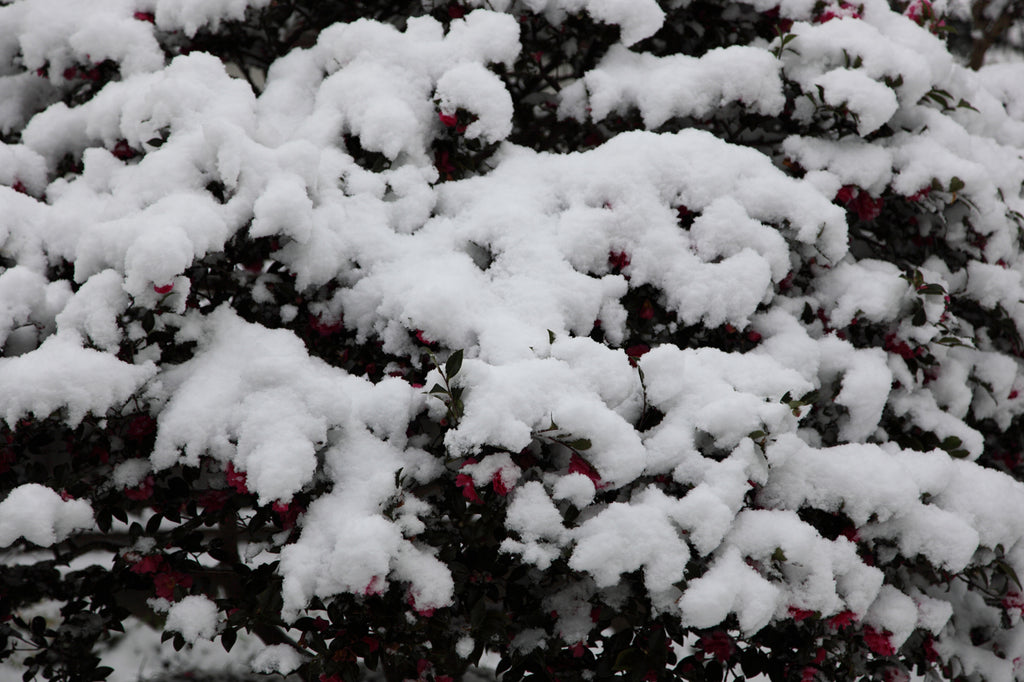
x: 562, y: 340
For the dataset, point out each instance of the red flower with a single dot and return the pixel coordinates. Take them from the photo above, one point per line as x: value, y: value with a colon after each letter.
x: 288, y: 514
x: 465, y: 481
x: 143, y: 491
x: 375, y: 586
x: 444, y: 163
x: 578, y: 465
x: 878, y: 642
x: 808, y: 674
x: 919, y: 194
x: 147, y: 564
x: 841, y: 620
x: 145, y: 16
x: 618, y: 259
x: 141, y: 426
x: 166, y: 582
x: 123, y: 151
x: 456, y: 11
x: 930, y: 652
x: 636, y: 351
x: 819, y: 656
x: 867, y: 207
x: 578, y: 649
x: 1013, y: 602
x: 6, y: 460
x: 163, y: 288
x: 213, y: 500
x: 372, y: 643
x: 646, y: 310
x: 324, y: 329
x: 449, y: 120
x: 236, y: 479
x: 498, y: 483
x: 718, y: 644
x: 799, y: 614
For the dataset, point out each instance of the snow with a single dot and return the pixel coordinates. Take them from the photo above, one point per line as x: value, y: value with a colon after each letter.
x: 512, y: 266
x: 39, y: 514
x: 62, y: 374
x: 195, y: 617
x: 277, y: 658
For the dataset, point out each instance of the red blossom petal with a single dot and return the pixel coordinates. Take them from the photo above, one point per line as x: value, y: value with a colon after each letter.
x: 236, y: 479
x: 878, y: 642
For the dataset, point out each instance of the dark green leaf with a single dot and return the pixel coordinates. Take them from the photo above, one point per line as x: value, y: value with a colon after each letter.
x: 956, y: 184
x: 454, y: 364
x: 580, y: 444
x: 227, y: 638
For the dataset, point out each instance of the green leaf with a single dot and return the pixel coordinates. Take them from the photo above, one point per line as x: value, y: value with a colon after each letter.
x: 580, y: 444
x: 102, y: 672
x: 438, y: 388
x: 951, y: 443
x: 932, y: 290
x: 756, y: 435
x: 627, y: 659
x: 778, y: 555
x: 956, y: 184
x: 156, y: 142
x: 1010, y: 572
x: 454, y: 364
x: 551, y: 336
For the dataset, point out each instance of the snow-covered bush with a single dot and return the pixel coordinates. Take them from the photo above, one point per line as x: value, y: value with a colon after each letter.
x: 666, y: 340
